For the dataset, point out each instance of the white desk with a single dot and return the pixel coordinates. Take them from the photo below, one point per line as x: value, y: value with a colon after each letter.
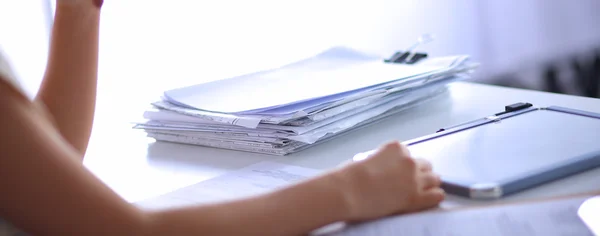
x: 138, y: 168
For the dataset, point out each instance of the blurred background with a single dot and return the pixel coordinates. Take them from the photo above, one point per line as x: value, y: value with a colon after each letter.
x: 151, y: 45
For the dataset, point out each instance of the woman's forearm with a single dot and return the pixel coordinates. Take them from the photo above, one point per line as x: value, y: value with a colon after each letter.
x: 69, y: 87
x: 292, y: 211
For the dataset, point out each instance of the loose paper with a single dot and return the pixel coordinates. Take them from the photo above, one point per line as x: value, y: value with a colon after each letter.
x: 533, y: 219
x: 249, y: 181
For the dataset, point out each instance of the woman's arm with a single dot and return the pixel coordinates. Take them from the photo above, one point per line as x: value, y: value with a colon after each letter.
x: 68, y: 90
x: 292, y: 211
x: 45, y: 191
x: 45, y: 188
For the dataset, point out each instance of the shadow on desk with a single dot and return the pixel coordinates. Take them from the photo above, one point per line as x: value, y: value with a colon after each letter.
x: 191, y: 156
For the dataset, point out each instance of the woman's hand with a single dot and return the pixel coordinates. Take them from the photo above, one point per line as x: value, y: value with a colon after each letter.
x: 389, y: 182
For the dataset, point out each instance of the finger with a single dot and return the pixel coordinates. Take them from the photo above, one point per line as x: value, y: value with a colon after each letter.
x: 392, y: 147
x: 429, y: 199
x: 433, y: 196
x: 431, y: 180
x: 395, y: 146
x: 404, y: 152
x: 424, y: 165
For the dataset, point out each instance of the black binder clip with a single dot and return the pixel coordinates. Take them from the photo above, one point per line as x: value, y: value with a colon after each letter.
x: 408, y: 56
x: 515, y: 107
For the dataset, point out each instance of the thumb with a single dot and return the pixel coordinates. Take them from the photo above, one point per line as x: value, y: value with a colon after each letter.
x: 429, y: 199
x: 396, y: 148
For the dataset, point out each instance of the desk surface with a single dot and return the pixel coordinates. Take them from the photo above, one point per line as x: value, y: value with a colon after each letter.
x: 137, y: 167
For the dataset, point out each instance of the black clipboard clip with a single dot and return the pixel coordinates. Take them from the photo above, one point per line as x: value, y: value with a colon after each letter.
x: 507, y: 109
x: 408, y: 56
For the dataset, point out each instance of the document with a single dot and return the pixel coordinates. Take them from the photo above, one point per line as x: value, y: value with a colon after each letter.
x: 247, y: 121
x: 249, y: 181
x: 285, y: 143
x: 548, y: 218
x: 358, y: 115
x: 340, y: 71
x: 290, y: 108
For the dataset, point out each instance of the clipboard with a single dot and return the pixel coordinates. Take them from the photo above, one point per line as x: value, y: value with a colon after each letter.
x: 510, y: 151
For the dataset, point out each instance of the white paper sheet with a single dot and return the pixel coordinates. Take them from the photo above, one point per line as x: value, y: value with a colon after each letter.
x: 589, y: 212
x: 225, y: 140
x: 324, y: 76
x: 255, y: 179
x: 219, y: 132
x: 553, y: 218
x: 221, y: 136
x: 231, y: 145
x: 244, y: 121
x: 254, y: 142
x: 359, y: 115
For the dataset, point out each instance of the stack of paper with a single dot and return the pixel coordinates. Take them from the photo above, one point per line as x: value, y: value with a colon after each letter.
x: 293, y: 107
